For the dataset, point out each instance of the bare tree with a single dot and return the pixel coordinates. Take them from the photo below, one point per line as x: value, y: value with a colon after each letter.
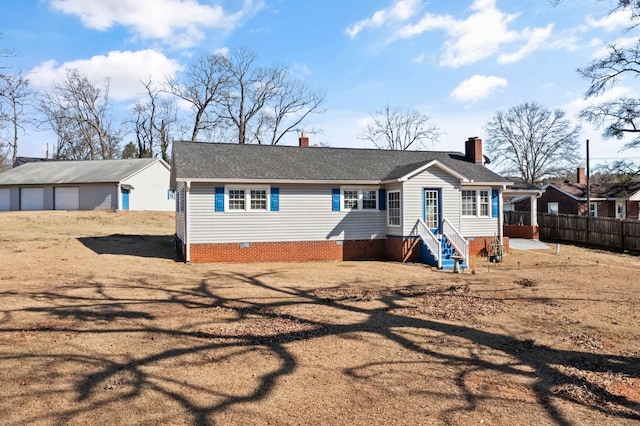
x: 78, y: 111
x: 202, y: 86
x: 265, y: 104
x: 398, y: 129
x: 532, y: 142
x: 152, y: 121
x: 15, y: 94
x: 621, y: 116
x: 623, y: 172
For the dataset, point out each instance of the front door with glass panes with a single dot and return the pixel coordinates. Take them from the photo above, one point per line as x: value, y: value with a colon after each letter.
x: 432, y: 209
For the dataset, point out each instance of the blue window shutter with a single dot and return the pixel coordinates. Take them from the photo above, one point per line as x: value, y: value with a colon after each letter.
x: 494, y: 203
x: 275, y: 199
x: 219, y: 198
x: 382, y: 199
x: 335, y: 199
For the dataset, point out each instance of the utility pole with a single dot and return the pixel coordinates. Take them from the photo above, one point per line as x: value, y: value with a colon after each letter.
x: 588, y: 193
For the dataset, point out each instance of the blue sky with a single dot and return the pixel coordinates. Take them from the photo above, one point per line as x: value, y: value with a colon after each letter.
x: 457, y: 61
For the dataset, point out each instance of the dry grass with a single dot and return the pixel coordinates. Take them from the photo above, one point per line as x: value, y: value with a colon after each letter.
x: 101, y: 326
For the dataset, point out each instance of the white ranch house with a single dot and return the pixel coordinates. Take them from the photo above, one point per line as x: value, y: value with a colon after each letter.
x: 255, y: 203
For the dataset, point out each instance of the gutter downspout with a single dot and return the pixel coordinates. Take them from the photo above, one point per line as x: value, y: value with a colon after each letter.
x: 118, y: 196
x: 500, y: 219
x: 187, y: 250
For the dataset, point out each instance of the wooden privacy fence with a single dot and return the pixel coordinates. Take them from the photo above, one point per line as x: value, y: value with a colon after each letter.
x: 598, y: 231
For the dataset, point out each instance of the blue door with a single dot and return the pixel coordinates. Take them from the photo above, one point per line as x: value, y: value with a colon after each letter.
x: 432, y: 209
x: 125, y: 199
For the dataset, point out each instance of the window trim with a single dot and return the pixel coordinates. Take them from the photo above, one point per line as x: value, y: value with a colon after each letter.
x: 247, y: 198
x: 593, y: 204
x: 551, y: 210
x: 389, y: 208
x: 360, y: 202
x: 478, y: 203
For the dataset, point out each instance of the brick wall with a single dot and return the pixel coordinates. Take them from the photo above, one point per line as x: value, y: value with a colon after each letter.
x: 521, y: 231
x: 403, y: 249
x: 397, y: 249
x: 293, y: 251
x: 481, y: 246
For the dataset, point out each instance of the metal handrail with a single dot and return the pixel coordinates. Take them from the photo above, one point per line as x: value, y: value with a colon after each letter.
x: 456, y: 239
x: 432, y: 242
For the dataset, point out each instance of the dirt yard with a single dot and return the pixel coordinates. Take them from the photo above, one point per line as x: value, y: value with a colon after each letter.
x: 100, y: 325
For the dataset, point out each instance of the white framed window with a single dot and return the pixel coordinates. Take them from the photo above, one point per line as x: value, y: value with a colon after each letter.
x: 552, y: 208
x: 483, y: 195
x: 369, y: 199
x: 359, y: 199
x: 244, y: 199
x: 593, y: 209
x: 237, y: 199
x: 350, y: 199
x: 476, y: 202
x: 621, y: 212
x: 469, y: 203
x: 393, y: 208
x: 258, y: 199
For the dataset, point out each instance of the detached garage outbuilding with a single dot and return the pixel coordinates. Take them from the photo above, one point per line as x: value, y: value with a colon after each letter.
x: 135, y: 184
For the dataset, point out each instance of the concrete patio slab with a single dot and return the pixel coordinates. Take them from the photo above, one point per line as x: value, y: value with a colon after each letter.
x: 523, y: 244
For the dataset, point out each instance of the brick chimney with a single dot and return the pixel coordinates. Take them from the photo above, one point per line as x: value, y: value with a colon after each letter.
x: 303, y: 140
x: 580, y: 176
x: 473, y: 150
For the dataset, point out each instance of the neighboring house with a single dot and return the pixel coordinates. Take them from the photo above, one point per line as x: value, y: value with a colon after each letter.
x: 136, y: 184
x: 607, y: 200
x: 254, y: 203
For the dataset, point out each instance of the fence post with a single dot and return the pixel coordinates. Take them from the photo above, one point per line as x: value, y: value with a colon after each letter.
x: 621, y: 234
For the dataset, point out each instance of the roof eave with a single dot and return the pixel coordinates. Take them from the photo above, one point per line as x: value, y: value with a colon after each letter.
x: 280, y: 181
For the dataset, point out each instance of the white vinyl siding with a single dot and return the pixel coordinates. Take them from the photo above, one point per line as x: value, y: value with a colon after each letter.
x: 413, y: 193
x: 150, y: 187
x: 305, y: 214
x: 180, y: 210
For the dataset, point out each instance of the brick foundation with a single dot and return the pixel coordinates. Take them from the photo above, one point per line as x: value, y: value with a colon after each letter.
x: 396, y: 249
x: 403, y: 249
x: 481, y: 246
x: 521, y: 231
x: 292, y: 251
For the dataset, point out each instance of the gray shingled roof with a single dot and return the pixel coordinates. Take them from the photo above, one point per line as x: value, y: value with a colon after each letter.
x: 211, y: 161
x: 74, y: 172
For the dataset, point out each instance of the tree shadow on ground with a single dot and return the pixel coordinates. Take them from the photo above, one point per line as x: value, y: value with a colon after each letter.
x: 224, y: 337
x: 155, y: 246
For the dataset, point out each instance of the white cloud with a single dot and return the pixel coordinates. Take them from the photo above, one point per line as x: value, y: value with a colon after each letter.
x: 419, y: 59
x: 484, y: 33
x: 613, y: 21
x: 177, y: 22
x: 534, y: 40
x: 477, y: 87
x: 400, y: 11
x: 602, y: 49
x: 124, y: 69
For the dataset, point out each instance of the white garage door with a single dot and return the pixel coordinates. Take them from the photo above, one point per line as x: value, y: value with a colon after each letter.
x: 67, y: 198
x: 31, y: 198
x: 5, y: 199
